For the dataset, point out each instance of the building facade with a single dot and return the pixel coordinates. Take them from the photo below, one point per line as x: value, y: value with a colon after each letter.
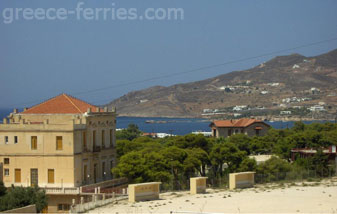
x: 247, y: 126
x: 63, y: 142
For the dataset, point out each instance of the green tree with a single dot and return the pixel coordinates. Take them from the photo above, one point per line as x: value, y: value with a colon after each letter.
x: 129, y: 133
x: 18, y: 197
x: 242, y: 141
x: 3, y: 189
x: 248, y: 164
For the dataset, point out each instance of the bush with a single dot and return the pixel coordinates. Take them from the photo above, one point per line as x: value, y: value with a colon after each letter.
x: 17, y: 197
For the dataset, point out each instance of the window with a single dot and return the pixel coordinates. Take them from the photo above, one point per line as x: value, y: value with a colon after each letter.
x: 15, y: 139
x: 214, y: 132
x: 257, y: 132
x: 103, y: 169
x: 94, y: 138
x: 63, y: 207
x: 34, y: 177
x: 6, y: 139
x: 33, y: 142
x: 111, y: 138
x: 84, y: 141
x: 51, y: 174
x: 111, y: 166
x: 103, y: 138
x: 6, y: 160
x: 6, y: 172
x: 17, y: 175
x: 229, y: 132
x: 59, y: 145
x: 85, y: 172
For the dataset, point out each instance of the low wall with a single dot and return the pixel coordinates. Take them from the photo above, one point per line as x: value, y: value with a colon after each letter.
x: 198, y: 185
x: 144, y: 191
x: 241, y: 180
x: 26, y: 209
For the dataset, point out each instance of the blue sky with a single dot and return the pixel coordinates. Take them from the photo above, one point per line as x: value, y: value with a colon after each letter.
x: 41, y: 59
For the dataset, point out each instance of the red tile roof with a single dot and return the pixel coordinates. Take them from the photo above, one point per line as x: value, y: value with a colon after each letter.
x: 61, y: 104
x: 244, y: 122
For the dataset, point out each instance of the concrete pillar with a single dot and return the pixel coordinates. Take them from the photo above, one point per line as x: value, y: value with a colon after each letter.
x: 96, y: 190
x: 124, y: 191
x: 80, y: 189
x: 93, y: 198
x: 99, y: 190
x: 113, y: 194
x: 82, y: 200
x: 103, y: 196
x: 73, y: 201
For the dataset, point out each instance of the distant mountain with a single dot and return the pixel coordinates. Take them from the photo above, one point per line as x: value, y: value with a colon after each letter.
x: 264, y: 85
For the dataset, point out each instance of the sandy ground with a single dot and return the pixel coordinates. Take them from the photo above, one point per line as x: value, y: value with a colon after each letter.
x: 309, y: 197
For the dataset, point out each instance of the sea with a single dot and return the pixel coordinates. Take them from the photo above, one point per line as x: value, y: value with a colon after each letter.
x: 175, y: 126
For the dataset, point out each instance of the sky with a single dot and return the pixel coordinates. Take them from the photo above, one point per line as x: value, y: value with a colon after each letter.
x: 101, y: 60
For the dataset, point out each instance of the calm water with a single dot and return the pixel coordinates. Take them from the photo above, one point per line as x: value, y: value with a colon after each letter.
x: 176, y: 126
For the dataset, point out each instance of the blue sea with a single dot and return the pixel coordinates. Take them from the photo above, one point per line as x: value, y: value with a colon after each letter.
x: 175, y: 126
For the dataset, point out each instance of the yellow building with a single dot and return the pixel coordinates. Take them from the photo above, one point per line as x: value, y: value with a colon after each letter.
x: 63, y: 142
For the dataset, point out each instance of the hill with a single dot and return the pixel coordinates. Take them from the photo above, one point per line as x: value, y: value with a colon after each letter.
x: 270, y: 85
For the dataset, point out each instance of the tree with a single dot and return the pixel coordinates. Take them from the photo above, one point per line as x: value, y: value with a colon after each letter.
x: 248, y: 164
x: 3, y: 189
x: 242, y: 141
x: 274, y: 169
x: 196, y: 160
x: 130, y: 133
x: 174, y: 158
x: 18, y: 197
x: 226, y: 153
x: 132, y: 166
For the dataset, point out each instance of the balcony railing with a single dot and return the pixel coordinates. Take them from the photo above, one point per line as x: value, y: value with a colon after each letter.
x: 105, y: 186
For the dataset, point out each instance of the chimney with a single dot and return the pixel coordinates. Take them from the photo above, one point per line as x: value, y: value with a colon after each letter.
x: 22, y: 121
x: 89, y: 110
x: 97, y: 109
x: 105, y: 109
x: 5, y: 121
x: 25, y: 109
x: 15, y: 111
x: 46, y: 121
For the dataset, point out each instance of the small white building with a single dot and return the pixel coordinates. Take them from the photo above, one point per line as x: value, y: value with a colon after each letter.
x: 296, y: 66
x: 285, y: 112
x: 317, y: 108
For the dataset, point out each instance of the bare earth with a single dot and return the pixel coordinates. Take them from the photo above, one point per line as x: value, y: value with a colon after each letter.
x: 309, y: 197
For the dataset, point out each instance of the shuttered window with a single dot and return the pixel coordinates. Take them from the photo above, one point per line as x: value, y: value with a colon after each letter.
x: 17, y: 175
x: 94, y: 138
x: 51, y: 178
x: 34, y: 142
x: 111, y: 138
x: 84, y: 141
x: 103, y: 138
x: 59, y: 144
